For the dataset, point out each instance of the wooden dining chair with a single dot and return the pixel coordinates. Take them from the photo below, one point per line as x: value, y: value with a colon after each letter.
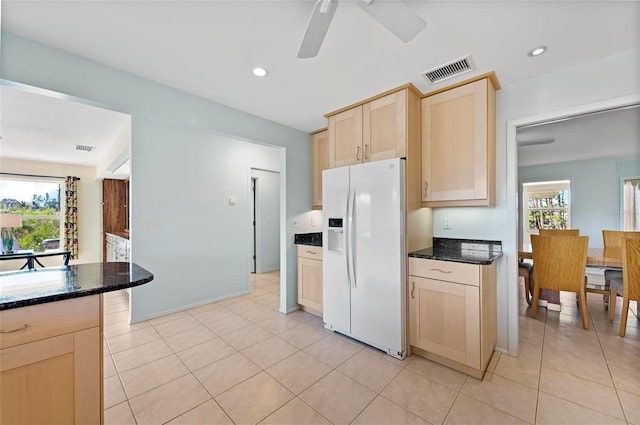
x: 560, y: 263
x: 629, y: 288
x: 525, y: 271
x: 559, y: 232
x: 612, y: 241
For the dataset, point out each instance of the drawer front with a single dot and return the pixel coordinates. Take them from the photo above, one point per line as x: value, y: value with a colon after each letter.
x: 449, y: 271
x: 307, y: 251
x: 47, y: 320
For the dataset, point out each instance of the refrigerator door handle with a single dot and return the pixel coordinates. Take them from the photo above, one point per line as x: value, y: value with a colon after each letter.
x: 347, y: 242
x: 352, y: 245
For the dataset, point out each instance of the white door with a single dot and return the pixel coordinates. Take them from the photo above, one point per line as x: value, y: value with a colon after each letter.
x: 336, y: 295
x: 377, y: 295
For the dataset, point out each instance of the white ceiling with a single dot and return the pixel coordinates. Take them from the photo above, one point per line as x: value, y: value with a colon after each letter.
x: 40, y: 127
x: 208, y: 47
x: 608, y: 134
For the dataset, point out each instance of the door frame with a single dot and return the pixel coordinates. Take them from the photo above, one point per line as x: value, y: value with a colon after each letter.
x: 512, y: 197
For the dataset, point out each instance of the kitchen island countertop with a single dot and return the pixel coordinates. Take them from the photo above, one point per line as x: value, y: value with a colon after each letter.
x: 30, y: 287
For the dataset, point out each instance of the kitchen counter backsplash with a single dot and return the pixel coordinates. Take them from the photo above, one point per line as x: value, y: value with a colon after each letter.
x: 313, y: 239
x: 472, y: 251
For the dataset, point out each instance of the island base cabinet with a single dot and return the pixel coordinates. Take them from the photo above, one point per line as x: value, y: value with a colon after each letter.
x: 54, y: 380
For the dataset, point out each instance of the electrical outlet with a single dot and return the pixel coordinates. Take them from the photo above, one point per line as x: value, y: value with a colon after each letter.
x: 294, y: 223
x: 446, y: 223
x: 314, y: 222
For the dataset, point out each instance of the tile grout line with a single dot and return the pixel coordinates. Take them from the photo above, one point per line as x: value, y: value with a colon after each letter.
x: 606, y: 360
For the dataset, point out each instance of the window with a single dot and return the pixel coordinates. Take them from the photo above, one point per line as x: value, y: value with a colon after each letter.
x: 545, y: 205
x: 39, y: 203
x: 631, y: 204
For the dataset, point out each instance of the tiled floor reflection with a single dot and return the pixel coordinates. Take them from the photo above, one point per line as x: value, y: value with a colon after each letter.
x: 240, y: 361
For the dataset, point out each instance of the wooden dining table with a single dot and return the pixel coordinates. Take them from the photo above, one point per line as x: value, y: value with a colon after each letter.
x: 594, y: 258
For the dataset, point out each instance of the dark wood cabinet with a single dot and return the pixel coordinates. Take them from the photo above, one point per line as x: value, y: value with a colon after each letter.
x: 115, y: 209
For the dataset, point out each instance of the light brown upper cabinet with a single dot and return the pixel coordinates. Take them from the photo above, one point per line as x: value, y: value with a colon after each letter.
x: 372, y: 130
x: 458, y: 144
x: 320, y: 162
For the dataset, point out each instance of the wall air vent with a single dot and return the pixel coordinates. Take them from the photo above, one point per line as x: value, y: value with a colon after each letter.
x: 449, y: 70
x: 85, y: 148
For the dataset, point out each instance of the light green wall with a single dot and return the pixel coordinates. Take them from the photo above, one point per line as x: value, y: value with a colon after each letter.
x: 188, y: 155
x: 595, y: 192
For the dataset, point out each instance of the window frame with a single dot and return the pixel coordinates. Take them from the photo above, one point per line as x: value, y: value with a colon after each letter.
x: 44, y: 179
x: 543, y: 186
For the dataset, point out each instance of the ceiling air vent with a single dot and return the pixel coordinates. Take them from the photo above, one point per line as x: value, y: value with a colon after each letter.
x: 449, y: 70
x: 85, y: 148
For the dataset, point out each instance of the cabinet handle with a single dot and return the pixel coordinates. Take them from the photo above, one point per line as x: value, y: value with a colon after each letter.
x: 366, y: 150
x: 426, y: 189
x: 441, y: 271
x: 413, y: 288
x: 311, y: 252
x: 10, y: 331
x: 358, y: 153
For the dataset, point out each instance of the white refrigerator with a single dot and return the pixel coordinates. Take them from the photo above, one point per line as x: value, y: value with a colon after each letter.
x: 364, y: 258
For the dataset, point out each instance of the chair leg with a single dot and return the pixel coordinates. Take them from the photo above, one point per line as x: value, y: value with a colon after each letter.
x: 534, y: 301
x: 583, y: 309
x: 527, y: 290
x: 605, y: 297
x: 612, y: 305
x: 623, y: 315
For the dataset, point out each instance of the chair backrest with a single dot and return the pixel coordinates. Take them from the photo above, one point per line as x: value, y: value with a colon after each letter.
x: 559, y: 232
x: 560, y: 262
x: 612, y: 240
x: 631, y: 268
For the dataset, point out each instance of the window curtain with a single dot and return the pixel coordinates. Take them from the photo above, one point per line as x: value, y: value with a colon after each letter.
x: 71, y: 216
x: 632, y: 205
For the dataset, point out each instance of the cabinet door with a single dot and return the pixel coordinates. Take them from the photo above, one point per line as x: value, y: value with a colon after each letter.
x: 455, y: 144
x: 310, y: 284
x: 114, y: 207
x: 345, y: 138
x: 384, y: 133
x: 444, y: 318
x: 52, y: 381
x: 320, y: 155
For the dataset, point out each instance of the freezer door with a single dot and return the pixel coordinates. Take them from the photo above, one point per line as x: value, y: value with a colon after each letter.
x: 378, y: 247
x: 336, y: 297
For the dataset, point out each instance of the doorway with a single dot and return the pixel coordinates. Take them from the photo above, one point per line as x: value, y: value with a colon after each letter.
x: 265, y: 221
x: 513, y: 195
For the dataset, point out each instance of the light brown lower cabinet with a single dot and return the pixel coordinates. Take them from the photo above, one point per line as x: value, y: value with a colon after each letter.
x: 51, y: 370
x: 310, y: 278
x: 452, y: 313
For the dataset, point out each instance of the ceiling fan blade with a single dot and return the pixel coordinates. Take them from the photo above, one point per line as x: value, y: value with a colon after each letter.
x: 317, y: 28
x: 397, y: 17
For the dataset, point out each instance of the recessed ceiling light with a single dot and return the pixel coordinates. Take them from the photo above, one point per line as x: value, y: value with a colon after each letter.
x: 537, y: 51
x: 259, y: 72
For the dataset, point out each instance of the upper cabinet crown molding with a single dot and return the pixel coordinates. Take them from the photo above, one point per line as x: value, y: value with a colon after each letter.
x: 458, y: 144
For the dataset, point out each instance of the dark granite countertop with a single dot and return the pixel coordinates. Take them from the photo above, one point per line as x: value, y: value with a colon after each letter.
x: 29, y: 287
x: 312, y: 239
x: 470, y: 251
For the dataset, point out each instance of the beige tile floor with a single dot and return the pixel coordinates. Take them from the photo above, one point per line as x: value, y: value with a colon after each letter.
x: 241, y: 362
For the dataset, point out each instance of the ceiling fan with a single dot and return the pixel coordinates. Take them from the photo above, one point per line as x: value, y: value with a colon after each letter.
x: 395, y: 16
